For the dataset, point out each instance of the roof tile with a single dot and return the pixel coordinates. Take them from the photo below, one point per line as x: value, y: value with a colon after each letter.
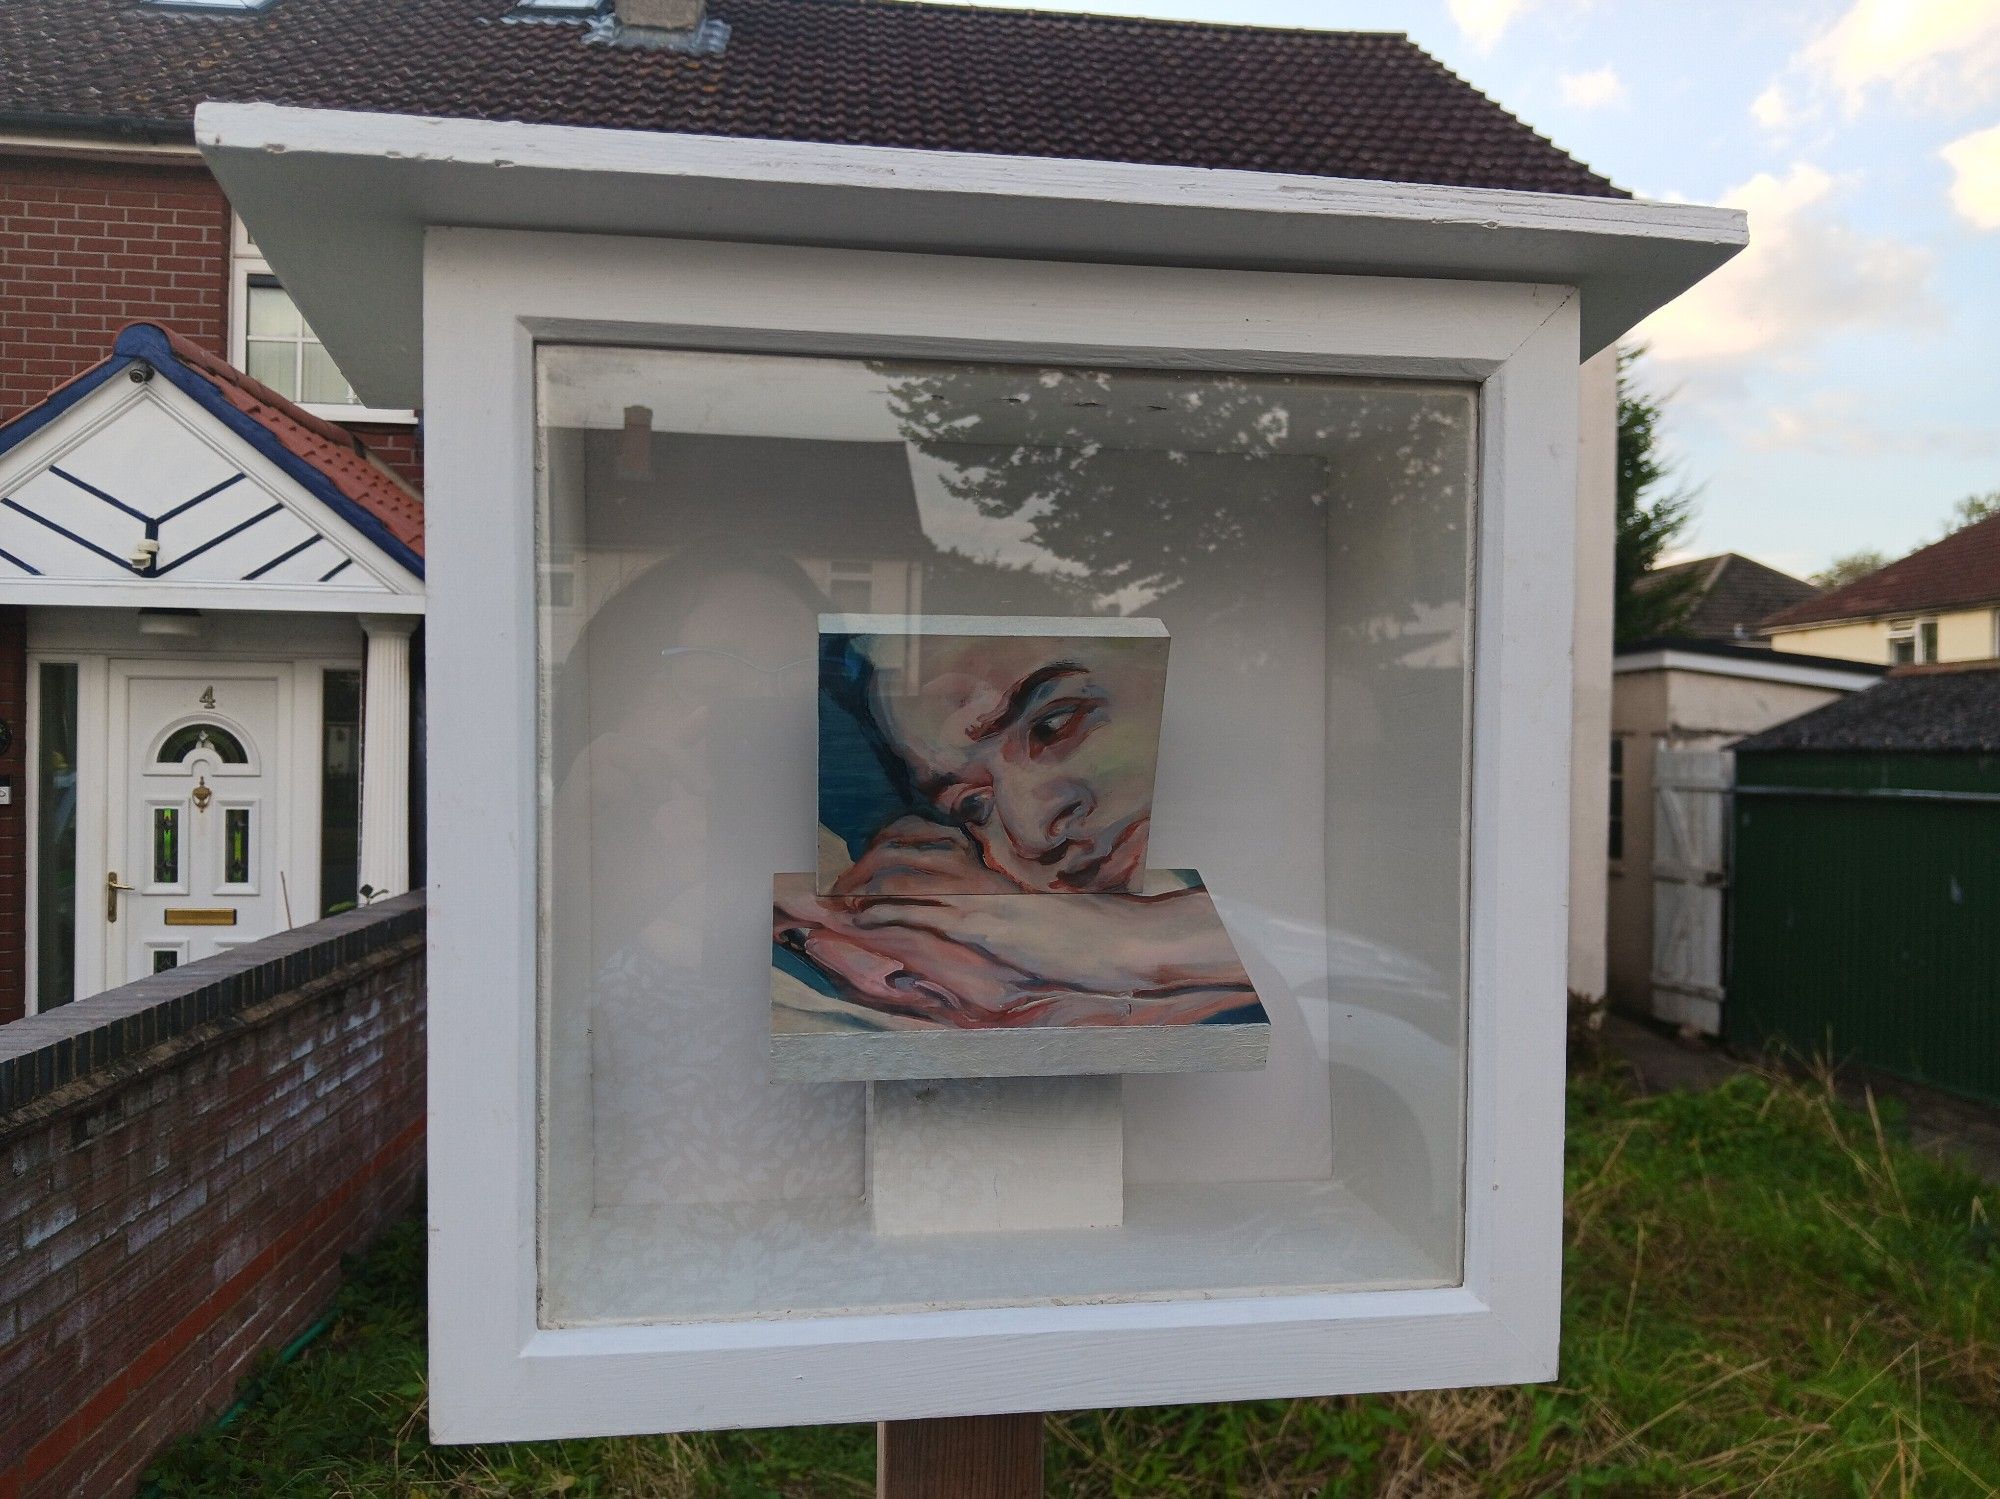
x: 1962, y: 570
x: 1951, y: 711
x: 862, y: 72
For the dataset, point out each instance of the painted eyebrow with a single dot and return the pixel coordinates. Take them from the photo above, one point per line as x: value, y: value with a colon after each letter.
x: 1009, y: 712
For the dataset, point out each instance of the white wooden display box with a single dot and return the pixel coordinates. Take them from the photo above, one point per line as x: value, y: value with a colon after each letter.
x: 488, y: 296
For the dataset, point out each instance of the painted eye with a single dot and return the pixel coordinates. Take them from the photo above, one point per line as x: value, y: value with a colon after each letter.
x: 1051, y: 726
x: 974, y: 807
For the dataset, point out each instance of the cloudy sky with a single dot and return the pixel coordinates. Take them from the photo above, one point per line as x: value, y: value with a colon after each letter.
x: 1838, y: 385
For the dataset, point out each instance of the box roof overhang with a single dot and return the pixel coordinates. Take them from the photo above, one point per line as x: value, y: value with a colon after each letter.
x: 339, y: 202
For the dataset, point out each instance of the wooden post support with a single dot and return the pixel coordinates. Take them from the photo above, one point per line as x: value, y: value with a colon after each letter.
x: 959, y: 1457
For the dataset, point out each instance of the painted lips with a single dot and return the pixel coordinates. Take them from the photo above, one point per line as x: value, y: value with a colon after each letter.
x: 1117, y: 868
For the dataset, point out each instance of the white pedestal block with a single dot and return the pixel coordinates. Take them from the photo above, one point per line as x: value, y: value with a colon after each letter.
x: 974, y: 1156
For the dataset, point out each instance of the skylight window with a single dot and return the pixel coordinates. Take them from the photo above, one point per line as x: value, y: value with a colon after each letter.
x: 214, y: 7
x: 556, y: 10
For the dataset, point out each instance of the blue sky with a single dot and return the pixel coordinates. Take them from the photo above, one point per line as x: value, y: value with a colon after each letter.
x: 1838, y: 386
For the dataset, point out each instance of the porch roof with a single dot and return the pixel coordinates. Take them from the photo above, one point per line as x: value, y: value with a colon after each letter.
x: 331, y: 462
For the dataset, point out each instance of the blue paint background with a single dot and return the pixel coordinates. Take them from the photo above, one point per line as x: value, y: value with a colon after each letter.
x: 857, y: 796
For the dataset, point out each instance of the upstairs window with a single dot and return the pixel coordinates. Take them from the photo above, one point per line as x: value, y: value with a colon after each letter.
x: 273, y: 344
x: 1913, y: 642
x: 280, y: 350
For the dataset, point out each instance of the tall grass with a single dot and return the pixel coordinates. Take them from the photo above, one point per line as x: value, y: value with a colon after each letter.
x: 1765, y: 1293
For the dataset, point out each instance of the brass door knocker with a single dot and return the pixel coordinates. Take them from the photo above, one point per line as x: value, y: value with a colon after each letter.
x: 201, y: 794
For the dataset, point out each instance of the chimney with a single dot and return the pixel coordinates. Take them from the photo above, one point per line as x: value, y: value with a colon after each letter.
x: 662, y: 15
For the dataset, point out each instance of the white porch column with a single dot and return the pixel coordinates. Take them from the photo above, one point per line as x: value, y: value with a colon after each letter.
x: 385, y: 754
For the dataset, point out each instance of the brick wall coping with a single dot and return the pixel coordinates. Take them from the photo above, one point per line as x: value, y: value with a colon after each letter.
x: 44, y: 1052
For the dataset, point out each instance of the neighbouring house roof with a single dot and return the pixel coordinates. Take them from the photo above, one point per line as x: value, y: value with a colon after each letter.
x: 1961, y: 571
x: 1737, y: 659
x: 1950, y: 708
x: 330, y: 464
x: 1732, y: 594
x: 855, y: 72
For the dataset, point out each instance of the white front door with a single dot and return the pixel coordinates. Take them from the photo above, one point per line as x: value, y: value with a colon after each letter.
x: 198, y: 825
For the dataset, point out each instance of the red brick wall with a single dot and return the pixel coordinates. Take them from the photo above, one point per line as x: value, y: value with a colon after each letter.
x: 182, y: 1207
x: 14, y: 770
x: 400, y: 447
x: 86, y: 248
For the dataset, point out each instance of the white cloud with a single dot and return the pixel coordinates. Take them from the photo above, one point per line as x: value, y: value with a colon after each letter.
x: 1593, y: 90
x: 1843, y: 422
x: 1483, y: 21
x: 1807, y: 272
x: 1772, y: 109
x: 1975, y: 176
x: 1927, y: 52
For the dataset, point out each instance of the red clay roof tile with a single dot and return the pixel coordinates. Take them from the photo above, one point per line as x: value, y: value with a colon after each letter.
x: 334, y: 451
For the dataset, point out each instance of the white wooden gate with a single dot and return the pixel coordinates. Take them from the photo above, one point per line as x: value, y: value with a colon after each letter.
x: 1691, y: 789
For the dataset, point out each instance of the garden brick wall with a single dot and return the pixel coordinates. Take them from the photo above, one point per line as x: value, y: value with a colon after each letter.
x: 183, y: 1161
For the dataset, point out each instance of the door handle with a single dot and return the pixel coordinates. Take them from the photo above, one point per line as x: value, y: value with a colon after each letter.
x: 112, y: 885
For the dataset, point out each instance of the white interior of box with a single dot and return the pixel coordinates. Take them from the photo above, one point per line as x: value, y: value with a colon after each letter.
x: 1306, y: 543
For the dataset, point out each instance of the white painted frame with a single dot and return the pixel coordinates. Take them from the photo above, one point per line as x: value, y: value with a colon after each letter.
x: 494, y: 1372
x: 393, y: 174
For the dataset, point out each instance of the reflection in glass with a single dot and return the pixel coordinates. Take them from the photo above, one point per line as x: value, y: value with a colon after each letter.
x: 236, y: 846
x: 166, y: 845
x: 1306, y: 542
x: 55, y: 838
x: 165, y: 958
x: 339, y: 790
x: 212, y: 737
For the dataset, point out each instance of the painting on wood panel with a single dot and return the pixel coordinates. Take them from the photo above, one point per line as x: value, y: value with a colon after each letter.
x: 971, y: 756
x: 982, y: 905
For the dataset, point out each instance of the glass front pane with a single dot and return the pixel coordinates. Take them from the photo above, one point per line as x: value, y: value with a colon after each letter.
x: 276, y: 364
x: 55, y: 838
x: 166, y: 846
x: 236, y: 846
x: 165, y: 958
x: 1306, y: 543
x: 339, y: 790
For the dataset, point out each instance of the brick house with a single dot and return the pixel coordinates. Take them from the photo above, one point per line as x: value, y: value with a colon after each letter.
x: 108, y: 216
x: 101, y: 228
x: 1939, y: 604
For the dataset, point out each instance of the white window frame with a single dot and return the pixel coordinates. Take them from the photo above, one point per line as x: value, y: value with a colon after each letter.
x: 1912, y: 630
x: 489, y: 296
x: 247, y: 261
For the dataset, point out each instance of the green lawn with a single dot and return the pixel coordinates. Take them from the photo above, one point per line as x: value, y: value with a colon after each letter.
x: 1765, y: 1293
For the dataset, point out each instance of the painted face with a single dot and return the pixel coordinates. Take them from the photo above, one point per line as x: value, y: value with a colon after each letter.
x: 1042, y: 750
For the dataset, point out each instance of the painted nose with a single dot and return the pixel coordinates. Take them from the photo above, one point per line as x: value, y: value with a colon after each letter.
x: 1042, y: 816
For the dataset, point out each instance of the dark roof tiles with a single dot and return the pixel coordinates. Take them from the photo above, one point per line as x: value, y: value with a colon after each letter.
x: 863, y: 72
x: 1732, y: 595
x: 1931, y: 710
x: 1961, y: 571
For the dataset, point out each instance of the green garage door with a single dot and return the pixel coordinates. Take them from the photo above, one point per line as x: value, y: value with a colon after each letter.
x: 1865, y: 912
